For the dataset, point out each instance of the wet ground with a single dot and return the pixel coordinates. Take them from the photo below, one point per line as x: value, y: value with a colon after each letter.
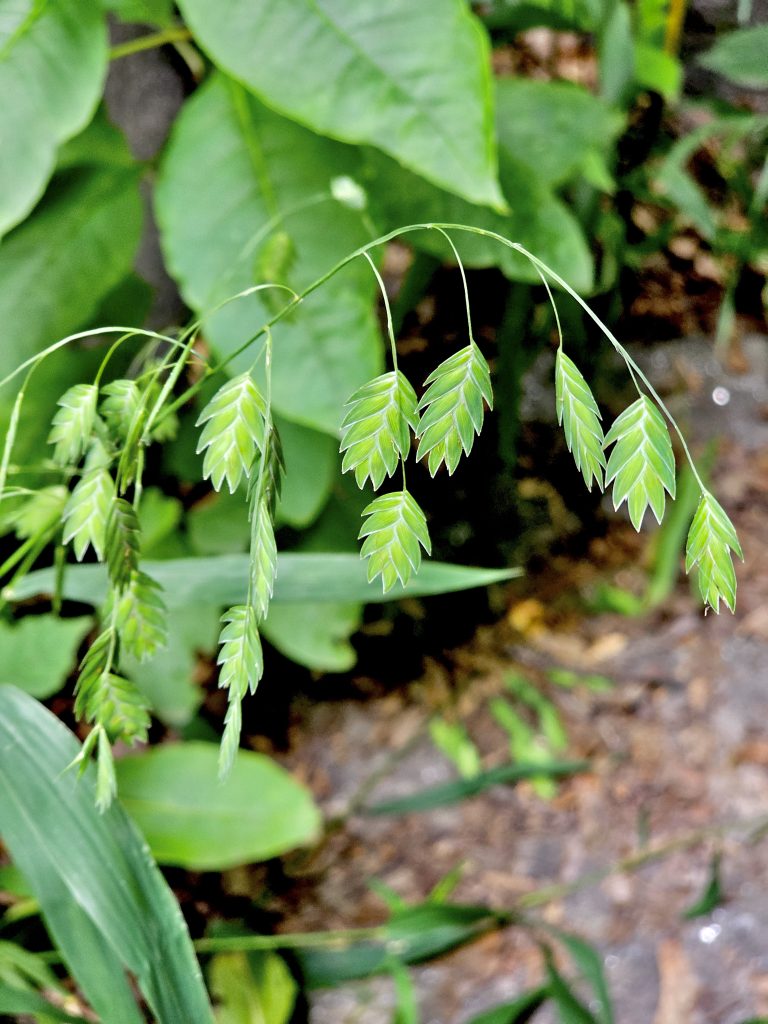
x: 678, y: 748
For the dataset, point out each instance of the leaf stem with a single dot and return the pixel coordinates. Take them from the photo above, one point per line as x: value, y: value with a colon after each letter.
x: 172, y: 34
x: 448, y: 238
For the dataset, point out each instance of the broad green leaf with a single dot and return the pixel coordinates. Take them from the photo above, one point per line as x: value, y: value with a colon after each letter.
x: 741, y: 56
x: 39, y: 652
x: 537, y: 219
x: 642, y: 464
x: 146, y: 12
x: 552, y: 127
x: 564, y: 15
x: 453, y: 407
x: 104, y: 901
x: 711, y: 539
x: 218, y: 525
x: 462, y: 789
x: 252, y: 988
x: 416, y: 78
x: 80, y: 242
x: 233, y: 432
x: 53, y: 58
x: 314, y: 634
x: 192, y: 820
x: 376, y: 429
x: 227, y: 143
x: 579, y: 415
x: 311, y: 461
x: 301, y: 577
x: 393, y: 535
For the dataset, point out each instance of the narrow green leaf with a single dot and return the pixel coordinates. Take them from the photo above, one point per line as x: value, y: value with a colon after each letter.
x: 433, y: 115
x: 711, y: 539
x: 589, y: 962
x: 518, y: 1011
x: 376, y: 428
x: 579, y: 415
x: 462, y: 789
x: 452, y: 408
x: 642, y: 464
x: 104, y: 901
x: 395, y: 532
x: 73, y: 423
x: 302, y: 576
x: 712, y: 895
x: 192, y: 820
x: 233, y: 431
x: 29, y: 1003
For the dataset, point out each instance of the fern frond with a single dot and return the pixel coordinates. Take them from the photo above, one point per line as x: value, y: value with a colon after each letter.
x: 642, y: 464
x: 711, y: 539
x: 240, y: 659
x: 394, y: 533
x: 120, y: 407
x: 87, y: 510
x: 452, y: 408
x: 376, y: 427
x: 234, y: 430
x: 579, y: 415
x: 123, y: 539
x: 141, y: 617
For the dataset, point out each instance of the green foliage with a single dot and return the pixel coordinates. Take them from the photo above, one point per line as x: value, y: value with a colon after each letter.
x: 252, y: 987
x: 106, y: 905
x: 301, y: 576
x: 579, y: 416
x: 376, y: 428
x: 38, y: 117
x: 174, y: 797
x: 380, y: 51
x: 452, y: 408
x: 741, y: 57
x: 120, y: 407
x: 395, y: 532
x: 73, y: 424
x: 642, y: 464
x: 711, y: 539
x: 233, y: 431
x: 241, y: 665
x: 37, y: 653
x: 225, y: 140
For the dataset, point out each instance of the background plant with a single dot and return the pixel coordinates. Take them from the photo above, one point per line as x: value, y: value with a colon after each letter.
x: 311, y: 172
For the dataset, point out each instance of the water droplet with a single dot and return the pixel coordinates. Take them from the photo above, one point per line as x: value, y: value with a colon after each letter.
x: 709, y: 933
x: 721, y: 395
x: 611, y: 961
